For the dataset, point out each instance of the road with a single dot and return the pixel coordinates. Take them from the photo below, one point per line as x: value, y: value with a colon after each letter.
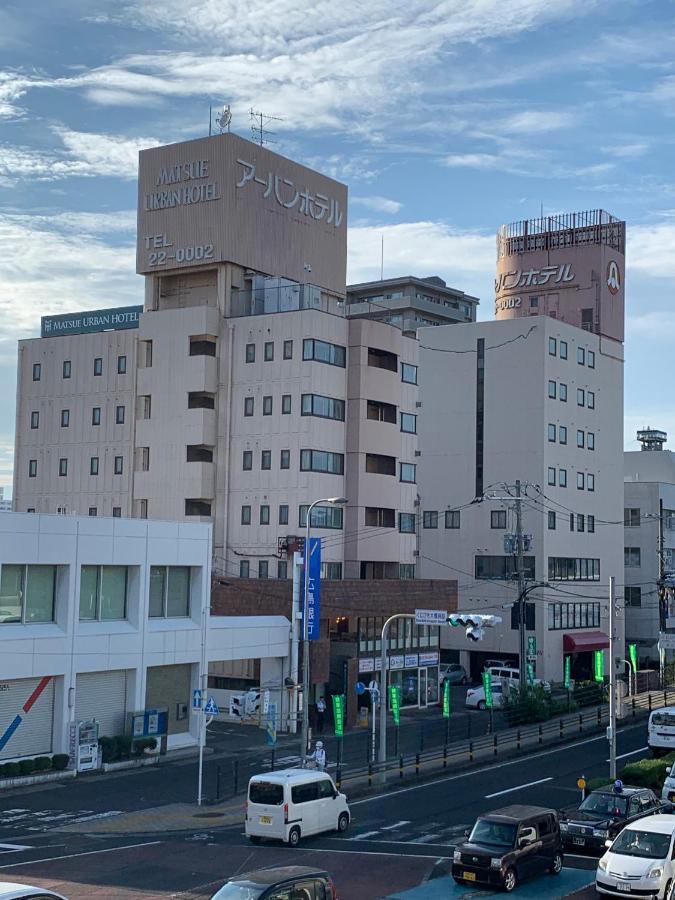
x: 396, y: 841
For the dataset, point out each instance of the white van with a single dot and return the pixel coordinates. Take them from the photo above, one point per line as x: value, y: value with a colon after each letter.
x: 661, y: 731
x: 293, y: 803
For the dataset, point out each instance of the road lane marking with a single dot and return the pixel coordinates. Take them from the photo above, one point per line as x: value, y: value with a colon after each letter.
x: 360, y: 837
x: 372, y: 852
x: 632, y: 753
x: 396, y: 825
x: 13, y: 848
x: 517, y: 788
x: 34, y: 862
x: 425, y: 839
x: 491, y: 768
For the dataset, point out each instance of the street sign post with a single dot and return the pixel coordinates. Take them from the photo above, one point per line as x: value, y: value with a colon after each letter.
x: 211, y: 708
x: 196, y: 700
x: 431, y: 617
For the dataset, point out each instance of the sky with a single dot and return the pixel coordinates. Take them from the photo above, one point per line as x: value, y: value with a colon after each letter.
x: 445, y: 119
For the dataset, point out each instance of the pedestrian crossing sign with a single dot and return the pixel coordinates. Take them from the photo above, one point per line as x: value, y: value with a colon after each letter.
x: 211, y: 708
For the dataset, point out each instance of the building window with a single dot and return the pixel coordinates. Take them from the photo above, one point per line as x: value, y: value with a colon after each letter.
x: 452, y: 518
x: 117, y: 512
x: 121, y: 365
x: 590, y: 482
x: 590, y: 440
x: 98, y: 366
x: 35, y: 419
x: 286, y: 404
x: 265, y: 459
x: 27, y: 593
x: 580, y: 396
x: 32, y: 468
x: 408, y: 373
x: 580, y: 522
x: 380, y: 517
x: 93, y: 465
x: 247, y: 460
x: 631, y: 517
x: 322, y: 461
x: 323, y: 407
x: 63, y: 467
x: 382, y: 359
x: 246, y: 515
x: 288, y: 349
x: 580, y: 481
x: 551, y: 520
x: 93, y: 511
x: 196, y: 400
x: 37, y: 371
x: 590, y: 524
x: 632, y: 596
x: 331, y: 571
x: 194, y: 453
x: 498, y: 518
x: 590, y: 359
x: 248, y: 406
x: 66, y: 368
x: 103, y: 593
x: 534, y: 302
x: 580, y: 356
x: 244, y: 568
x: 551, y: 475
x: 566, y: 616
x: 562, y: 434
x: 119, y: 465
x: 406, y: 571
x: 408, y: 473
x: 65, y: 418
x: 551, y: 433
x: 96, y: 415
x: 408, y: 423
x: 562, y: 478
x: 264, y: 514
x: 552, y: 346
x: 169, y: 592
x: 563, y: 392
x: 282, y: 569
x: 263, y: 568
x: 321, y: 351
x: 565, y: 568
x: 502, y: 567
x: 552, y: 390
x: 381, y: 412
x: 202, y: 346
x: 571, y: 521
x: 267, y: 406
x: 197, y: 508
x: 119, y: 415
x: 406, y: 523
x: 285, y: 459
x: 563, y: 349
x: 250, y: 353
x: 631, y: 557
x: 590, y: 399
x: 283, y: 514
x: 269, y: 351
x: 322, y: 516
x: 580, y: 439
x: 430, y: 519
x: 377, y: 464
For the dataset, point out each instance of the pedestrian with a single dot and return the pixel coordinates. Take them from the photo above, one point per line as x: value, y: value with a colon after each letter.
x: 320, y: 713
x: 319, y: 756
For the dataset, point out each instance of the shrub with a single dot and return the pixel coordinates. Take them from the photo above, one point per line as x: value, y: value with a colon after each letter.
x: 141, y: 744
x: 589, y: 693
x: 531, y: 703
x: 649, y: 773
x: 60, y: 761
x: 109, y: 750
x: 43, y: 763
x: 123, y: 743
x: 26, y: 766
x: 12, y: 770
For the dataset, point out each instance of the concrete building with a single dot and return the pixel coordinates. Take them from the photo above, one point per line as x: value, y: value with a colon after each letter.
x: 540, y: 400
x: 106, y: 619
x: 649, y: 542
x: 409, y: 302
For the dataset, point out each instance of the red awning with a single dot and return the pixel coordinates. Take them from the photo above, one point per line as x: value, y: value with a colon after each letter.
x: 583, y: 641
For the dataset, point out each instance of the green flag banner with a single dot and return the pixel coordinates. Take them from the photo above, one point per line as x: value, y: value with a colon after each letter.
x: 395, y: 702
x: 487, y: 689
x: 568, y: 672
x: 599, y: 665
x: 339, y: 714
x: 446, y: 699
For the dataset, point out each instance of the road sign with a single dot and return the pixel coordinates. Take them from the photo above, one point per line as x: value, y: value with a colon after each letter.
x: 197, y: 699
x: 632, y: 656
x: 446, y: 699
x: 487, y: 689
x: 581, y: 783
x: 431, y: 617
x: 599, y: 665
x: 374, y: 689
x: 211, y: 708
x: 395, y: 702
x: 360, y: 688
x: 339, y: 714
x: 568, y: 671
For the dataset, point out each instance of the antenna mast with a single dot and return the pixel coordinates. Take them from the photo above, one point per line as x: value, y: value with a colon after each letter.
x: 259, y: 127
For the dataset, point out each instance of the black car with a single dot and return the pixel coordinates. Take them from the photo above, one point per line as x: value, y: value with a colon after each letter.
x: 509, y: 845
x: 604, y: 813
x: 282, y: 883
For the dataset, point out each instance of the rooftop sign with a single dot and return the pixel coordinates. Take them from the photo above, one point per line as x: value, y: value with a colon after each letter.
x: 91, y: 320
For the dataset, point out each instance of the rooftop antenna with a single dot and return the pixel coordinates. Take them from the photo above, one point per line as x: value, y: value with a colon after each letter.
x: 259, y: 127
x: 223, y: 119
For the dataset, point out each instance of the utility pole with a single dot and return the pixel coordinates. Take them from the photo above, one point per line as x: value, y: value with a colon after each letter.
x: 611, y: 731
x: 662, y: 597
x: 295, y: 642
x: 521, y: 586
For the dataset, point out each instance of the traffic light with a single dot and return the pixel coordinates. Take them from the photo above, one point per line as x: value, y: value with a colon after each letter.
x: 474, y: 623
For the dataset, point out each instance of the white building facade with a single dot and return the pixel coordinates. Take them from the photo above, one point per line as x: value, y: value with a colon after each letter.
x: 103, y: 618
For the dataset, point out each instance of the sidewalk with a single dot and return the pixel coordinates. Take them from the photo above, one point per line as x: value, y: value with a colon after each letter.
x: 553, y: 888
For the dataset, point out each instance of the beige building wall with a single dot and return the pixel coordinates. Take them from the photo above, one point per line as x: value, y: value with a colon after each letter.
x: 48, y: 396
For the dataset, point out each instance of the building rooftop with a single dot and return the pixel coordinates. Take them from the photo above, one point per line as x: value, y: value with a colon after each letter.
x: 593, y: 226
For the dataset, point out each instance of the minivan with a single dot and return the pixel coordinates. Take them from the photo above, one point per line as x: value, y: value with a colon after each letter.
x: 661, y: 731
x: 294, y: 803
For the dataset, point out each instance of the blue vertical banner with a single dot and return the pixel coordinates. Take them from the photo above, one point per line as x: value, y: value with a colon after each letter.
x: 314, y: 590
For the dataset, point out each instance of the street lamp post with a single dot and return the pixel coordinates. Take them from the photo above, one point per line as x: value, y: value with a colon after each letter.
x: 333, y: 501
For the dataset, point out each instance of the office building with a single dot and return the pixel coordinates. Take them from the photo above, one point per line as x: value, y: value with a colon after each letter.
x: 5, y: 502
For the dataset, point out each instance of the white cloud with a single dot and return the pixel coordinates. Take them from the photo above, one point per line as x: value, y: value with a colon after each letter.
x: 650, y: 249
x: 534, y: 121
x: 378, y: 204
x: 475, y: 161
x: 627, y: 151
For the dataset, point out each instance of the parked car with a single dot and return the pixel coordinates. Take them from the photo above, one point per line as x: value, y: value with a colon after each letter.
x: 508, y: 845
x: 294, y: 803
x: 11, y: 891
x: 640, y: 861
x: 454, y: 674
x: 301, y: 882
x: 606, y: 812
x: 661, y: 731
x: 499, y: 663
x: 510, y: 677
x: 475, y: 697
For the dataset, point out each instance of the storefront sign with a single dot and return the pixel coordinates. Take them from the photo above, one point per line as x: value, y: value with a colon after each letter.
x: 313, y: 602
x: 367, y: 665
x: 339, y: 714
x: 410, y: 661
x: 666, y: 641
x: 509, y: 281
x: 96, y: 320
x: 431, y: 617
x: 396, y: 662
x: 428, y: 659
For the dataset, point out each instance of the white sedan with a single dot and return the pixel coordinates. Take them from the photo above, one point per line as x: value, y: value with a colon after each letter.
x: 11, y: 891
x: 475, y: 697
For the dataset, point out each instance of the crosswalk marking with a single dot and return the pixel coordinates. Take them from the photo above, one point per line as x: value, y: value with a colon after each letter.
x: 396, y: 825
x: 360, y: 837
x: 14, y: 848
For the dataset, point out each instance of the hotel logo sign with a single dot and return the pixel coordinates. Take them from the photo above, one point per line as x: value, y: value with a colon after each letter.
x: 613, y: 277
x: 95, y: 320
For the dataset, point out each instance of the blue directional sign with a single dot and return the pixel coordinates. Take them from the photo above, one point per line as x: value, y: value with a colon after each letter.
x: 197, y: 699
x: 360, y: 688
x: 211, y: 708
